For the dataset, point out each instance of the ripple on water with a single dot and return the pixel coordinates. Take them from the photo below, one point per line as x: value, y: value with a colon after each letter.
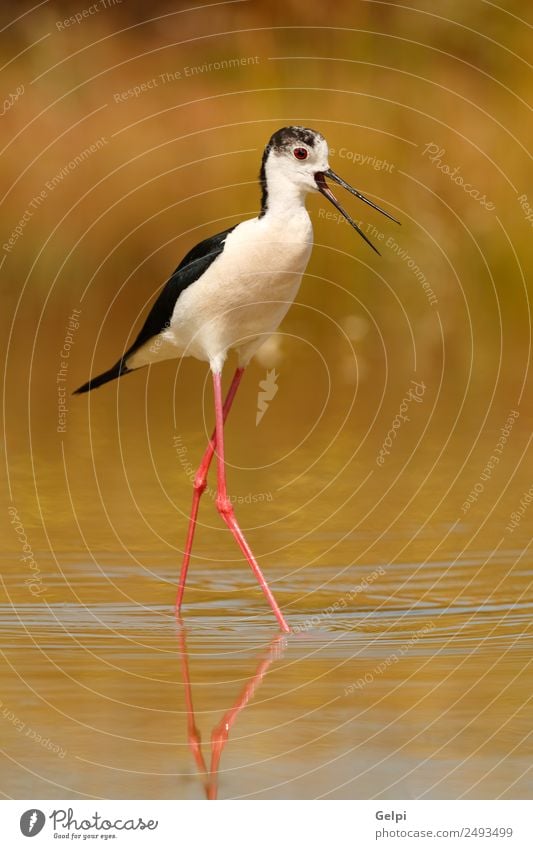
x: 452, y: 629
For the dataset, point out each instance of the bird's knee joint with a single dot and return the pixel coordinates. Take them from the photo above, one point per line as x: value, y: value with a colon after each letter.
x: 224, y: 505
x: 199, y: 483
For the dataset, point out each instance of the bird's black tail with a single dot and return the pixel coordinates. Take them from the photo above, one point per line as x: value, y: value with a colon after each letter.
x: 117, y: 371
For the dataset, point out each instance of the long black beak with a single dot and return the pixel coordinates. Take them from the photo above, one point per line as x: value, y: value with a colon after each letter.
x: 326, y: 191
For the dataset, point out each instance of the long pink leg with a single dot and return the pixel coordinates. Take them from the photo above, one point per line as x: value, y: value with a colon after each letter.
x: 225, y: 507
x: 199, y: 485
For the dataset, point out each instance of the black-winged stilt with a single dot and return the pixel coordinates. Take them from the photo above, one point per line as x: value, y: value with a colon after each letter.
x: 230, y: 292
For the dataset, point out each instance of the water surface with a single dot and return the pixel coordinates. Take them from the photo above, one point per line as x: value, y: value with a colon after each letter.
x: 407, y: 674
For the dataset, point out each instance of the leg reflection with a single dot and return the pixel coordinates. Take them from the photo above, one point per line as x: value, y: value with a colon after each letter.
x: 221, y: 731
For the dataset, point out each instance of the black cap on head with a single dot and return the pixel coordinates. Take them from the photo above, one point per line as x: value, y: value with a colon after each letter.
x: 287, y: 136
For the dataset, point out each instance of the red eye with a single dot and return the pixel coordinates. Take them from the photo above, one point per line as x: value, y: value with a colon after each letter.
x: 300, y: 153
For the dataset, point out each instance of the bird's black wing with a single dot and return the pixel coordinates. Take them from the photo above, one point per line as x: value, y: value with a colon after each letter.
x: 190, y: 269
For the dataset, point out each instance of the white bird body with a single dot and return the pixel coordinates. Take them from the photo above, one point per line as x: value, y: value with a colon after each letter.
x: 243, y: 296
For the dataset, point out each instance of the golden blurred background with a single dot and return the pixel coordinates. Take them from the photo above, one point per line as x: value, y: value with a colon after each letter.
x: 129, y: 133
x: 138, y: 134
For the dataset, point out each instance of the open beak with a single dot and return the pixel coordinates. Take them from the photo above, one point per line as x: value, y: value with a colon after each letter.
x: 324, y: 189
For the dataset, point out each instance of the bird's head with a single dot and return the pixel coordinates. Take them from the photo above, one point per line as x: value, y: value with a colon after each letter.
x: 298, y: 157
x: 294, y: 155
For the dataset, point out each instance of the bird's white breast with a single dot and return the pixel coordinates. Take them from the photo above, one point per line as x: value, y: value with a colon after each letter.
x: 244, y: 295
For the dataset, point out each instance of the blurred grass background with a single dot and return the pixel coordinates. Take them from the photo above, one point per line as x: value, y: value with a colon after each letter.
x: 180, y: 160
x: 103, y: 505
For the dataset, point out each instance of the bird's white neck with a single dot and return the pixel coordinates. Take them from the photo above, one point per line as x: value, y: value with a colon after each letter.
x: 285, y: 198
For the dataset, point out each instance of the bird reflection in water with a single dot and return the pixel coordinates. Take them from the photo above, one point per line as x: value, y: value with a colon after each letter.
x: 221, y: 731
